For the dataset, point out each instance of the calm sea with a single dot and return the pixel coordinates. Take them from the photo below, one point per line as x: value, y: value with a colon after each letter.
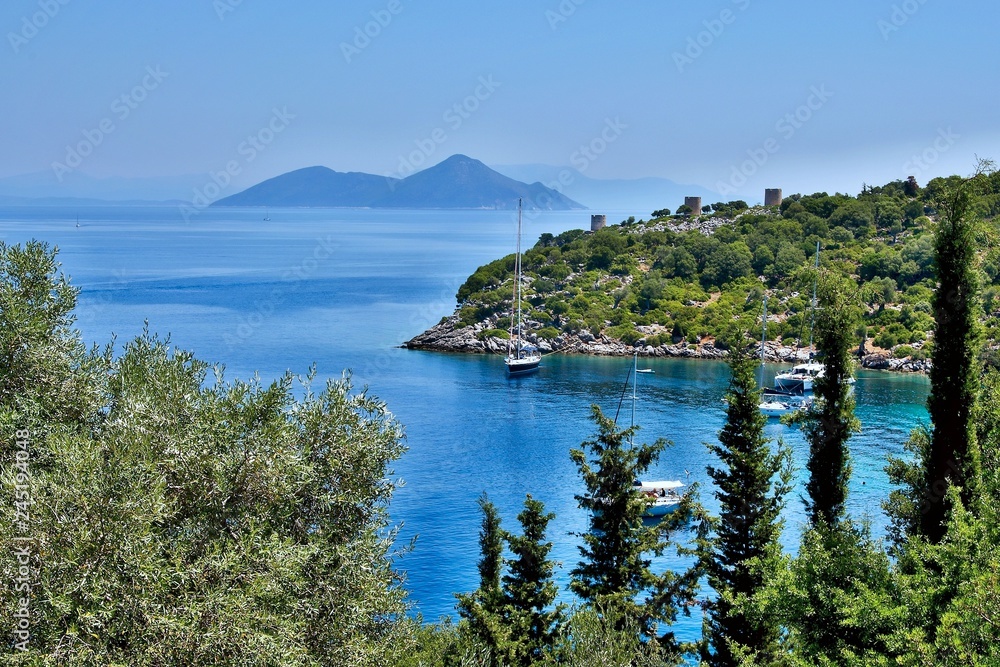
x: 343, y: 288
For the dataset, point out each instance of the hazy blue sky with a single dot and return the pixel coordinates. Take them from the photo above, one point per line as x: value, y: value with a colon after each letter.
x: 682, y: 90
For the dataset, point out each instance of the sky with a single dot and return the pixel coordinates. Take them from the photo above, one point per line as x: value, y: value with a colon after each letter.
x: 731, y: 95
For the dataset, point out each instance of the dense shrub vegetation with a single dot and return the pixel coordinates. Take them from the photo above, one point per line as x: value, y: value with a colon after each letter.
x: 686, y: 285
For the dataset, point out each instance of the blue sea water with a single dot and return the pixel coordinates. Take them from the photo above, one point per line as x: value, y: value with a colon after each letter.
x: 343, y: 288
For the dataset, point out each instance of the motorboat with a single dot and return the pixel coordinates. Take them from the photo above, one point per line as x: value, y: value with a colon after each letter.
x: 664, y: 496
x: 778, y: 405
x: 800, y: 379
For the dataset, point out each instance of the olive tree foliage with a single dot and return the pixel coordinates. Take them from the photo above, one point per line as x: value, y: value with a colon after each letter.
x: 47, y: 376
x: 184, y: 519
x: 606, y: 636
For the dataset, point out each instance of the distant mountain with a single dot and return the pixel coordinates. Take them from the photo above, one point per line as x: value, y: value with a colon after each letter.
x: 639, y: 196
x: 462, y: 182
x: 457, y: 182
x: 315, y: 186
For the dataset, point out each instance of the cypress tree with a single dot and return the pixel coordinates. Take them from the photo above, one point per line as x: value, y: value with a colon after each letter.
x: 483, y: 608
x: 832, y: 421
x: 529, y: 591
x: 745, y: 543
x: 952, y: 455
x: 836, y: 599
x: 618, y: 548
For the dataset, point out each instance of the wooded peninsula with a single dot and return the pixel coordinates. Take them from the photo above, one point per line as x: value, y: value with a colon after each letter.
x: 676, y: 285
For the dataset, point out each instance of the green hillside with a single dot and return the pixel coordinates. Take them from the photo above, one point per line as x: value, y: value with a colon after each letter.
x: 687, y: 277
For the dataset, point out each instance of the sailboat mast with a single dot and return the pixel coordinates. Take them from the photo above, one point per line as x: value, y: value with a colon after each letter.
x: 635, y: 377
x: 812, y: 321
x: 518, y: 267
x: 763, y: 340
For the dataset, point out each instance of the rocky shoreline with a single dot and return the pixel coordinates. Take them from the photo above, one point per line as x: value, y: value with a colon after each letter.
x: 448, y: 336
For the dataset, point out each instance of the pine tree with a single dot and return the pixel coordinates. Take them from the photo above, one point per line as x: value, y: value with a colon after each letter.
x: 744, y: 549
x: 952, y: 456
x: 831, y: 423
x: 483, y: 608
x: 617, y: 550
x: 837, y: 598
x: 529, y: 591
x: 511, y: 615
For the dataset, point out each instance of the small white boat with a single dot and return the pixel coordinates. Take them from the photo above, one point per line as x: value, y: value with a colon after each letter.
x: 777, y: 406
x: 665, y: 496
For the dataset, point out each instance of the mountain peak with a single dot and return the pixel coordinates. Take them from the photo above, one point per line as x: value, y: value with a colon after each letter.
x: 459, y: 158
x: 458, y: 181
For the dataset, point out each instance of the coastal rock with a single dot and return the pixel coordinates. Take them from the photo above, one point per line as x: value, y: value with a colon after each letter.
x: 449, y: 336
x: 876, y: 361
x: 445, y: 336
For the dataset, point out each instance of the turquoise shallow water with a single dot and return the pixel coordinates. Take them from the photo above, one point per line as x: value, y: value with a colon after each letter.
x: 343, y: 288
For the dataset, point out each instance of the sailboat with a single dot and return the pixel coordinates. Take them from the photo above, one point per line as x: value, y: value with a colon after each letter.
x: 267, y: 215
x: 665, y: 496
x: 799, y: 380
x: 793, y: 389
x: 777, y: 402
x: 519, y: 361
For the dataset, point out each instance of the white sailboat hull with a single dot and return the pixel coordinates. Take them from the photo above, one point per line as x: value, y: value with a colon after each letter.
x: 523, y: 365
